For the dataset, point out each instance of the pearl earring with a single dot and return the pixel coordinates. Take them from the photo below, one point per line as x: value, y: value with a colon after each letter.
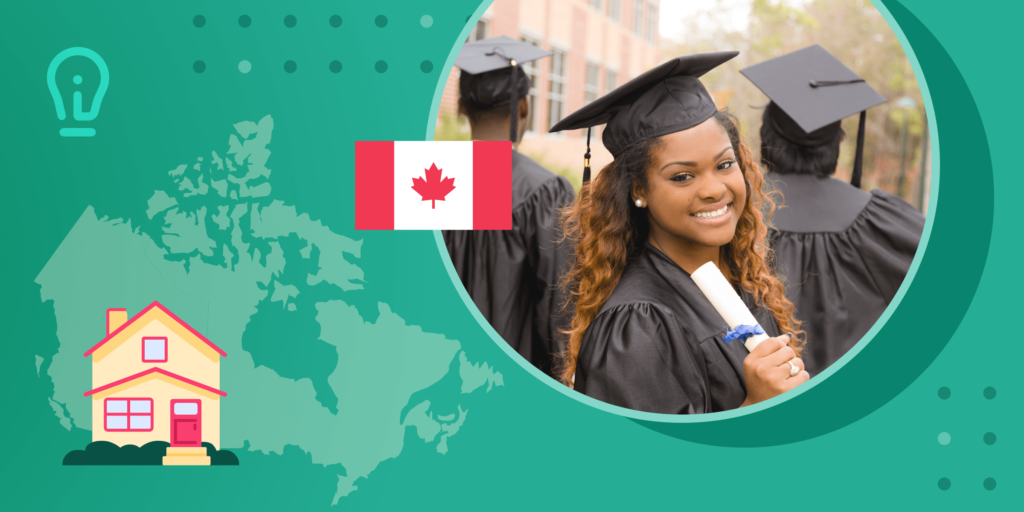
x: 639, y: 203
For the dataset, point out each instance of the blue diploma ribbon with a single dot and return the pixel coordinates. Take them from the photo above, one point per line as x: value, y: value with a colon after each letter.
x: 742, y: 332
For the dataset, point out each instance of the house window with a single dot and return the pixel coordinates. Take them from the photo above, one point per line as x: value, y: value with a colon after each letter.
x: 154, y: 350
x: 615, y: 10
x: 533, y: 72
x: 591, y: 89
x: 187, y: 408
x: 651, y: 17
x: 556, y: 89
x: 128, y: 414
x: 480, y: 31
x: 638, y: 17
x: 611, y: 81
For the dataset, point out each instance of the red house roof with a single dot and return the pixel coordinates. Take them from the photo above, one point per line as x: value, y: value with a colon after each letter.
x: 160, y: 371
x: 143, y: 312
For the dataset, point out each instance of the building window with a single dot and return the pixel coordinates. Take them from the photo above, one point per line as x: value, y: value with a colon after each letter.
x: 592, y: 88
x: 533, y: 72
x: 615, y: 10
x: 480, y: 31
x: 638, y: 17
x: 154, y: 350
x: 128, y: 414
x: 556, y: 90
x: 611, y: 81
x: 651, y: 18
x: 595, y: 5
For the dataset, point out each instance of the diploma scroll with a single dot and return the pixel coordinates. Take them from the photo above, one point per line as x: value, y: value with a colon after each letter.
x: 726, y: 301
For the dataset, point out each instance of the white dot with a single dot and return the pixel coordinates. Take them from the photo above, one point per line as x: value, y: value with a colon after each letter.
x: 245, y: 66
x: 426, y: 21
x: 944, y: 438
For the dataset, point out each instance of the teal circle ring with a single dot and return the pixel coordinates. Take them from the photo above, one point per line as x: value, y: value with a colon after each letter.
x: 893, y: 354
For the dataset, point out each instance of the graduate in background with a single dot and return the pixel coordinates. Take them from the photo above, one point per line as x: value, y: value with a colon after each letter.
x: 682, y: 191
x: 513, y: 275
x: 843, y: 252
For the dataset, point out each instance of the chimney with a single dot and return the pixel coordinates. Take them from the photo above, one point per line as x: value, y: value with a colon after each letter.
x: 116, y: 317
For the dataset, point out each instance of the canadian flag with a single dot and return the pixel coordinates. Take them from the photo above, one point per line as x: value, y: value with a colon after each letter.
x: 434, y: 185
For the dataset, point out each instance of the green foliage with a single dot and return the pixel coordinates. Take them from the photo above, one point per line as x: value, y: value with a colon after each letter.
x: 220, y: 457
x: 104, y: 453
x: 452, y: 127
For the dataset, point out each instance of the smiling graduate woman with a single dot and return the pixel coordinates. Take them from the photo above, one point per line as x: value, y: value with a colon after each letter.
x: 682, y: 191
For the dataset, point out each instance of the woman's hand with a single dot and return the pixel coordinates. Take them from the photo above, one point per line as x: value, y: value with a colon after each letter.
x: 766, y: 370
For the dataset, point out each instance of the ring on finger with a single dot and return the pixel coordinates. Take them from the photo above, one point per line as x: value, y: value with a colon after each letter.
x: 793, y: 369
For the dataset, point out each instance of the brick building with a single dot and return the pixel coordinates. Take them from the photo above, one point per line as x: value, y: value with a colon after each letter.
x: 598, y: 45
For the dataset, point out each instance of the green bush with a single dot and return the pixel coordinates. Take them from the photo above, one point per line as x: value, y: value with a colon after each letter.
x: 104, y: 453
x: 452, y: 127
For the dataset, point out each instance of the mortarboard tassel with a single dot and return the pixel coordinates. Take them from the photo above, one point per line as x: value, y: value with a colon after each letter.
x: 586, y: 160
x: 513, y: 109
x: 858, y: 159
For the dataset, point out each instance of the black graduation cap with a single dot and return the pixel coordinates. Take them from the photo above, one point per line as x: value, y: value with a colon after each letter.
x: 811, y: 90
x: 495, y: 54
x: 666, y: 99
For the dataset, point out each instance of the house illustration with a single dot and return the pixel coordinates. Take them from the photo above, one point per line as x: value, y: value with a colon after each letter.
x: 155, y: 378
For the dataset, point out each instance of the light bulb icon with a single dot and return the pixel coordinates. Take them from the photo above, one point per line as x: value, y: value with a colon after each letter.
x: 76, y: 109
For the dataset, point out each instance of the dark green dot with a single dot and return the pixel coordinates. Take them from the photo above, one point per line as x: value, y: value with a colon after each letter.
x: 335, y: 21
x: 290, y: 66
x: 944, y: 393
x: 944, y: 484
x: 381, y: 21
x: 244, y: 21
x: 990, y: 438
x: 426, y: 66
x: 289, y: 21
x: 990, y: 392
x: 335, y: 66
x: 199, y: 21
x: 990, y: 483
x: 199, y: 66
x: 381, y: 66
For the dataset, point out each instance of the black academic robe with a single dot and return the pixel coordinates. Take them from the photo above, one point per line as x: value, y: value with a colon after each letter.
x: 842, y: 254
x: 513, y: 276
x: 656, y: 344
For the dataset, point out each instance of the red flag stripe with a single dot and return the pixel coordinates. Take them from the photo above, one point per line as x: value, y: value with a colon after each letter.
x: 492, y: 185
x: 375, y: 185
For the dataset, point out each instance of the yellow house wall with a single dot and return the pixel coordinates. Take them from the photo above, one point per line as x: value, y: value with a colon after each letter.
x: 182, y: 359
x: 162, y: 393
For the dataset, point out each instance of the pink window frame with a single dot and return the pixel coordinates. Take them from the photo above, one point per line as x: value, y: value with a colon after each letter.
x: 128, y: 415
x: 144, y: 338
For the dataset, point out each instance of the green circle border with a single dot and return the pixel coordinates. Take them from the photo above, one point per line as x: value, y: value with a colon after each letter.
x: 912, y: 331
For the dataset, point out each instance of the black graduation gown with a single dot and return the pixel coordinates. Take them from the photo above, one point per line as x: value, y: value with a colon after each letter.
x: 843, y: 254
x: 513, y: 275
x: 656, y: 344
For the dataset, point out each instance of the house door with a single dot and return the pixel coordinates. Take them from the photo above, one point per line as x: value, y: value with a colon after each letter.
x: 186, y: 423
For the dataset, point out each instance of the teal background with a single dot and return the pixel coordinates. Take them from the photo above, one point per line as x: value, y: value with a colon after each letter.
x: 865, y: 437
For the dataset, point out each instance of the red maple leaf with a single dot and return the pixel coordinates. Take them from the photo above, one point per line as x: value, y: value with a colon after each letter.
x: 433, y: 188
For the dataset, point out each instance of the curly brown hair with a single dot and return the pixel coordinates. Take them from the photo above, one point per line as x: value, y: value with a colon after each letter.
x: 608, y: 233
